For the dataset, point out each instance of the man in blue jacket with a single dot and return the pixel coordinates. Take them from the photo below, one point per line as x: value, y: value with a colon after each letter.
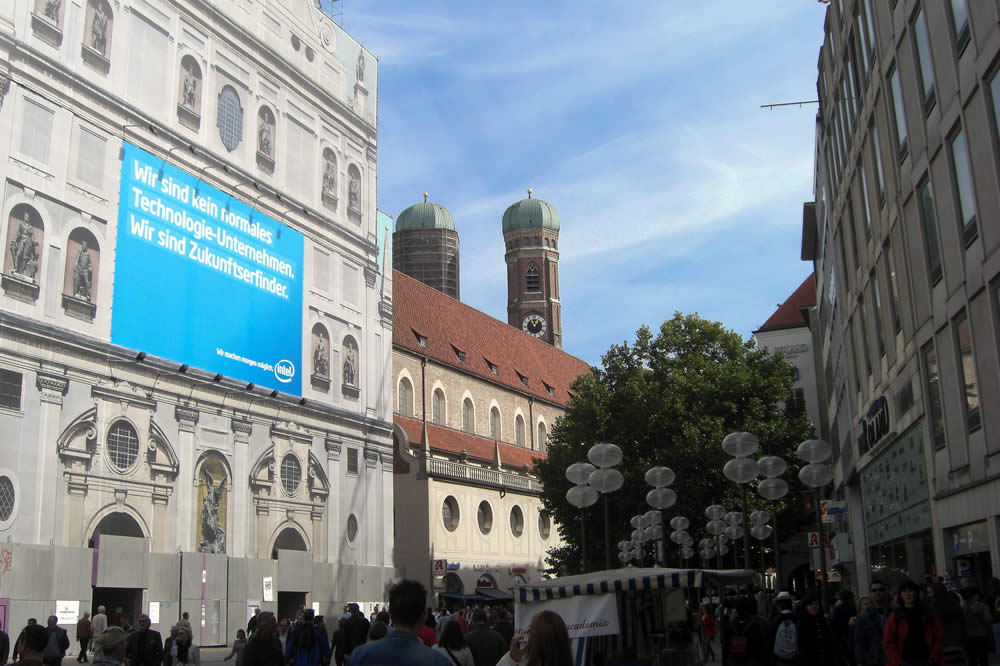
x: 868, y: 627
x: 407, y: 604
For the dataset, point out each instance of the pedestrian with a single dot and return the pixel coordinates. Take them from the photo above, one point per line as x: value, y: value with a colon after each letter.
x: 378, y: 630
x: 144, y: 647
x: 946, y: 604
x: 978, y: 628
x: 264, y: 648
x: 320, y: 622
x: 185, y: 623
x: 125, y: 624
x: 31, y: 644
x: 817, y: 643
x: 486, y: 643
x: 112, y: 646
x: 452, y: 644
x: 239, y: 645
x: 55, y: 650
x: 742, y: 635
x: 427, y: 633
x: 170, y: 647
x: 83, y: 635
x: 504, y: 625
x: 844, y: 611
x: 284, y: 628
x: 913, y: 635
x: 4, y: 646
x: 339, y: 638
x: 98, y: 624
x: 708, y: 631
x: 32, y: 622
x: 308, y: 645
x: 355, y: 629
x: 786, y: 640
x: 547, y: 643
x: 407, y: 604
x: 187, y: 651
x: 252, y: 622
x: 869, y: 627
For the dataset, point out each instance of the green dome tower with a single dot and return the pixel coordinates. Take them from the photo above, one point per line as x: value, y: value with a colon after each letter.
x: 425, y: 246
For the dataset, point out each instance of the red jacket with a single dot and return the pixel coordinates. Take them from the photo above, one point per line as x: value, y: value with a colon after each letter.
x: 894, y: 637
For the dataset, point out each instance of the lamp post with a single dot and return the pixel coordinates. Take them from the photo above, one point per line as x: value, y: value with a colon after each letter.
x: 716, y: 526
x: 605, y: 480
x: 581, y: 496
x: 742, y: 469
x: 760, y: 530
x: 816, y: 474
x: 773, y: 488
x: 660, y: 497
x: 681, y: 537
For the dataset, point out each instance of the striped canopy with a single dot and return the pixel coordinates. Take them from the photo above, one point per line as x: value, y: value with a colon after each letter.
x: 606, y: 582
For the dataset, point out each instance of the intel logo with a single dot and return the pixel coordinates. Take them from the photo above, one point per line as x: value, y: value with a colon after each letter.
x: 284, y: 371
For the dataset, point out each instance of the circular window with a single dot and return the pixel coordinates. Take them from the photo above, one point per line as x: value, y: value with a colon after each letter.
x: 296, y: 42
x: 123, y: 445
x: 544, y: 524
x: 229, y: 118
x: 6, y: 498
x: 485, y: 517
x: 449, y: 513
x: 352, y: 527
x: 291, y: 474
x: 310, y: 54
x: 516, y: 521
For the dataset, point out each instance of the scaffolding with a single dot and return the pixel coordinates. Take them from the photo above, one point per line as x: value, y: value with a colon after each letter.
x: 332, y: 8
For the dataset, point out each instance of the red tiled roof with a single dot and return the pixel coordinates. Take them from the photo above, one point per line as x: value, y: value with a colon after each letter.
x: 449, y: 325
x: 455, y: 441
x: 788, y: 314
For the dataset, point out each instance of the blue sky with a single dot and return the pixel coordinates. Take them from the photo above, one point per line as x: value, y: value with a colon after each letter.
x: 639, y: 121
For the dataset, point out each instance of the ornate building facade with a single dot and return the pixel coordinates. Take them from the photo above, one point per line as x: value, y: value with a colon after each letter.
x: 153, y: 480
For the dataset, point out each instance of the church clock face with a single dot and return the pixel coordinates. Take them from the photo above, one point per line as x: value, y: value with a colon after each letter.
x: 534, y: 325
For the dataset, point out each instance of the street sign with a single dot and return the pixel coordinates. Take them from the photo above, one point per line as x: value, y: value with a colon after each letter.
x: 440, y: 567
x: 813, y: 538
x: 830, y: 508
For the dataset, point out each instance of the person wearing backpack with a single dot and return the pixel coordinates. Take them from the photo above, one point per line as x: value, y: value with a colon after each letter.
x: 786, y: 640
x: 743, y: 636
x: 817, y: 646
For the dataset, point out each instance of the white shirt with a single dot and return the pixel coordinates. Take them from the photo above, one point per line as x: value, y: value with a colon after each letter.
x: 98, y: 624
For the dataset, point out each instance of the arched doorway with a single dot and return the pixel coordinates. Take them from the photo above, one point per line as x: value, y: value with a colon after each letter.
x: 289, y: 602
x: 117, y: 601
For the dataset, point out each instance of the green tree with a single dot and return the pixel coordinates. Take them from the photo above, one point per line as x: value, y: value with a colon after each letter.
x: 668, y: 399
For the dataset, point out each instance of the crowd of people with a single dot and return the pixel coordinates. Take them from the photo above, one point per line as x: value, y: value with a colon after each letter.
x: 913, y: 625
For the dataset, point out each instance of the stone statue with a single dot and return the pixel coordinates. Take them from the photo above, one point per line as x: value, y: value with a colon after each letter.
x: 24, y: 249
x: 190, y: 89
x: 329, y: 177
x: 264, y: 137
x: 354, y: 192
x: 99, y: 30
x: 83, y: 273
x: 361, y: 67
x: 349, y: 366
x: 321, y: 364
x: 215, y: 536
x: 51, y: 10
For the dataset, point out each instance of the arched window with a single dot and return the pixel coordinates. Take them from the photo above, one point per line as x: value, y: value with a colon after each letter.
x: 532, y: 280
x: 291, y: 474
x: 438, y: 409
x: 229, y: 118
x: 97, y: 25
x: 123, y: 445
x: 541, y: 443
x: 494, y: 424
x: 404, y: 401
x: 468, y: 416
x: 23, y: 249
x: 82, y: 266
x: 352, y: 371
x: 189, y: 93
x: 266, y: 137
x: 519, y: 430
x: 354, y: 189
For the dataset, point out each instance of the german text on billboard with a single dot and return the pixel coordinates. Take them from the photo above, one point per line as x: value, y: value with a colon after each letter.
x: 203, y: 279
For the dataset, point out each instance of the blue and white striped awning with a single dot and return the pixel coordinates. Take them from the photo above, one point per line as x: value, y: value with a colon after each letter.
x: 607, y: 582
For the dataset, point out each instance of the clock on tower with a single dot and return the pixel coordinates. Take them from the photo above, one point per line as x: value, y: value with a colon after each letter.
x: 534, y: 325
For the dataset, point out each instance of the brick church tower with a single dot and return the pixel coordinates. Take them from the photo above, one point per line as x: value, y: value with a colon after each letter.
x: 531, y: 236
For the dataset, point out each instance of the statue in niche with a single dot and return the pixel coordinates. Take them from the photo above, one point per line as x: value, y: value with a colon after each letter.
x: 190, y: 89
x: 329, y: 177
x: 215, y: 536
x: 51, y: 10
x: 24, y: 249
x: 354, y: 192
x: 264, y: 138
x: 361, y: 67
x: 83, y: 273
x: 350, y: 365
x: 321, y: 362
x: 99, y: 30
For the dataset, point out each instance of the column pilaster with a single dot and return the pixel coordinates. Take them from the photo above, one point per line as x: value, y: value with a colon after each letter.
x: 239, y: 531
x: 187, y: 424
x: 51, y: 389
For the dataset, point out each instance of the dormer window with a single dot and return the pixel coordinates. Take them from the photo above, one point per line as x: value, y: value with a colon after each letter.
x: 459, y: 354
x: 524, y: 380
x: 492, y: 366
x: 551, y: 390
x: 421, y: 339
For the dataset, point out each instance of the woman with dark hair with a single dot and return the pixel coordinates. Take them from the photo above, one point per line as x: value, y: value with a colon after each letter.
x: 547, y: 645
x: 913, y: 635
x: 308, y: 645
x: 817, y: 645
x: 451, y: 643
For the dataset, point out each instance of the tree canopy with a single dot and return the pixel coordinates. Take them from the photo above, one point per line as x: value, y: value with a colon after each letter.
x: 669, y: 399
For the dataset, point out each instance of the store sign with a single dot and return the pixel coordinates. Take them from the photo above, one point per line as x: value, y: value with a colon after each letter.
x: 440, y: 567
x: 830, y: 508
x: 454, y: 566
x: 518, y: 570
x: 484, y: 568
x: 875, y: 425
x: 486, y: 580
x: 585, y: 615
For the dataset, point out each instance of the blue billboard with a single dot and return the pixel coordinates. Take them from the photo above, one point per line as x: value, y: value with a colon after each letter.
x: 203, y: 279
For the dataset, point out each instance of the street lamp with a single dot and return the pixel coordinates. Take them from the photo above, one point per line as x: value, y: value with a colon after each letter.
x: 716, y: 526
x: 773, y: 488
x: 605, y: 479
x: 816, y: 474
x: 581, y: 496
x: 681, y: 537
x: 742, y: 469
x: 660, y: 497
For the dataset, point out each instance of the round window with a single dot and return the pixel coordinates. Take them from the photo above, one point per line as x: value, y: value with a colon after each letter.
x: 123, y: 445
x: 6, y: 498
x: 516, y: 521
x: 352, y: 527
x: 449, y: 513
x: 544, y: 524
x: 291, y: 474
x: 485, y: 517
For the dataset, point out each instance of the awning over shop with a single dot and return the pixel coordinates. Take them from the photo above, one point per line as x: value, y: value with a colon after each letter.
x: 461, y: 597
x: 605, y: 582
x: 493, y: 594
